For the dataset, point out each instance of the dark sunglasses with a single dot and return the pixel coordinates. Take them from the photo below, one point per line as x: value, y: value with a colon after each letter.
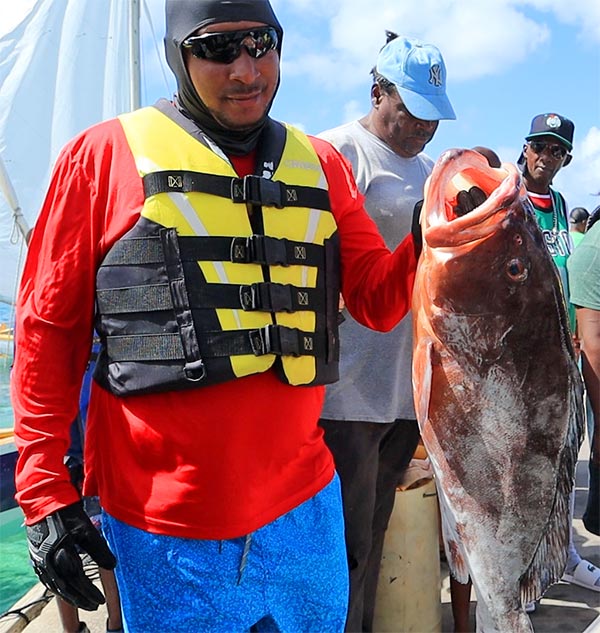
x: 227, y: 46
x: 556, y: 151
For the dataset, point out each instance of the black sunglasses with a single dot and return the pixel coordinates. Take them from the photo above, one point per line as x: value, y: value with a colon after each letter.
x: 227, y: 46
x: 556, y: 151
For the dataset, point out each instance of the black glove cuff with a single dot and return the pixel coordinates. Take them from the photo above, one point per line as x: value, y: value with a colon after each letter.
x: 415, y: 228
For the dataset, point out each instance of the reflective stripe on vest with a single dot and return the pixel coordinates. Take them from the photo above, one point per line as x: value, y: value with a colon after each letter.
x: 192, y: 295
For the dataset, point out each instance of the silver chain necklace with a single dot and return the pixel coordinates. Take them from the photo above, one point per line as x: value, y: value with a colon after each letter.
x: 554, y: 231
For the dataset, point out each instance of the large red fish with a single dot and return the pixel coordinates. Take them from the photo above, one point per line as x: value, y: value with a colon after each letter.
x: 497, y: 390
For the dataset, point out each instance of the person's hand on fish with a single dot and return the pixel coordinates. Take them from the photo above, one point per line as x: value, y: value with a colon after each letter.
x: 469, y: 200
x: 415, y: 228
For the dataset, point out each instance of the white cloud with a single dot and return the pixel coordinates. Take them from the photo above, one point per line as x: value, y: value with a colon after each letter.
x: 477, y: 39
x: 581, y: 179
x: 583, y: 14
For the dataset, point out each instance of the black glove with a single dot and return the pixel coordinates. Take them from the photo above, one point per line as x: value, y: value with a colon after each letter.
x: 53, y: 550
x: 415, y: 228
x: 469, y: 200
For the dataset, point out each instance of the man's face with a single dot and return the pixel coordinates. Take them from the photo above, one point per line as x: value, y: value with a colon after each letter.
x: 404, y: 133
x: 236, y: 94
x: 544, y: 155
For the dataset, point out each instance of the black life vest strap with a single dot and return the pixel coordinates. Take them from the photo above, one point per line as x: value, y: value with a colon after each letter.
x: 270, y: 339
x: 250, y: 189
x: 255, y: 249
x: 264, y: 296
x: 194, y: 366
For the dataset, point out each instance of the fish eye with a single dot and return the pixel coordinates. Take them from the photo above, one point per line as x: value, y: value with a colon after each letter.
x: 518, y: 239
x: 516, y: 270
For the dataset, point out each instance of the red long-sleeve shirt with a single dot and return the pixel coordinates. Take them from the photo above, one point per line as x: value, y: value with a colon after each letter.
x: 215, y: 462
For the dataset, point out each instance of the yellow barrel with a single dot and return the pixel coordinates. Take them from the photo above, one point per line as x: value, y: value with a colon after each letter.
x: 409, y: 590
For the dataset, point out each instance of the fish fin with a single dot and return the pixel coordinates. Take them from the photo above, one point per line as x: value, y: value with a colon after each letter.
x: 455, y: 553
x: 549, y: 560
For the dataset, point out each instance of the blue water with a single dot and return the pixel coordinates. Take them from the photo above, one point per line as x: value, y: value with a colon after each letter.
x: 6, y: 354
x: 16, y: 574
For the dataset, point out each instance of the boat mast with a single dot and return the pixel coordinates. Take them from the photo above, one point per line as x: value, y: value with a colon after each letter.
x: 8, y: 192
x: 134, y: 53
x: 6, y: 187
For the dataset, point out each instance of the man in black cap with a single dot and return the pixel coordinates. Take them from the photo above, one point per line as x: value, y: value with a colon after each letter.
x: 207, y: 244
x: 547, y: 149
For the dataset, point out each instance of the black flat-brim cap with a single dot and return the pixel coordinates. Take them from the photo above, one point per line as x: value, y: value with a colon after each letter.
x: 551, y: 124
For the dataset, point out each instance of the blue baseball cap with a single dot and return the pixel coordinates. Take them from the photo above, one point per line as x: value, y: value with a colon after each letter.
x: 418, y: 72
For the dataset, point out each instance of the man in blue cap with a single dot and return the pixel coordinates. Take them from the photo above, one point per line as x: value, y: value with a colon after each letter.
x: 369, y: 417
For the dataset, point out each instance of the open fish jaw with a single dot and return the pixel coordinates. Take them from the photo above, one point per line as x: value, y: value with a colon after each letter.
x: 457, y: 170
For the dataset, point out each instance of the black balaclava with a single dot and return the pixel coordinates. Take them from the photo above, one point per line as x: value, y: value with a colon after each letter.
x: 185, y: 17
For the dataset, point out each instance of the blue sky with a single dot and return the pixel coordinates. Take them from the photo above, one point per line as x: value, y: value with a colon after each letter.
x: 507, y: 61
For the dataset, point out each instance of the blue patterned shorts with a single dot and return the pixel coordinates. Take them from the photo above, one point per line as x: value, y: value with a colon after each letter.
x: 290, y: 575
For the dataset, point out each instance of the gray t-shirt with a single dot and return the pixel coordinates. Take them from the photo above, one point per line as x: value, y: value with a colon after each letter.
x: 375, y: 368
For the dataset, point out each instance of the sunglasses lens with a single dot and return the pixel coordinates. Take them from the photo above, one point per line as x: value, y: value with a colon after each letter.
x: 556, y: 151
x: 263, y: 41
x: 226, y: 47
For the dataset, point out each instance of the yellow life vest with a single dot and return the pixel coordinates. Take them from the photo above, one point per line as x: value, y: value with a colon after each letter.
x: 221, y: 277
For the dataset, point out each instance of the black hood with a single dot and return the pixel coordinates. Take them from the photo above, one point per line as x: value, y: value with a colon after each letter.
x: 184, y: 17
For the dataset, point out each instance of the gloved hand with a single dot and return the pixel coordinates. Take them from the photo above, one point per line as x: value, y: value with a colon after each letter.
x: 469, y: 200
x: 53, y: 552
x: 415, y: 228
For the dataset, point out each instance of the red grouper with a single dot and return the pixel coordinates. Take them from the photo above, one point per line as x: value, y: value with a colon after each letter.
x: 497, y: 390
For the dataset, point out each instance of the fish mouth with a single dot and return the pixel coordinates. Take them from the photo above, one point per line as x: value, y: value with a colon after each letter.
x: 458, y: 170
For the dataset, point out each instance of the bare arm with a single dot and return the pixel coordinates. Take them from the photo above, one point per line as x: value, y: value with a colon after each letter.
x: 588, y: 322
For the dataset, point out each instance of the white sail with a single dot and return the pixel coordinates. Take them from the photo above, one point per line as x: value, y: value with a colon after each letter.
x: 64, y: 65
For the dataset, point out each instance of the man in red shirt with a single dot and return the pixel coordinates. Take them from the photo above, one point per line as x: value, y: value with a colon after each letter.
x: 207, y: 245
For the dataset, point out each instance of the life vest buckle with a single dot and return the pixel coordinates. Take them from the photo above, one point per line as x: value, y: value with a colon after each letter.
x: 267, y: 297
x: 270, y: 251
x: 276, y: 297
x: 259, y: 249
x: 275, y: 339
x: 259, y: 191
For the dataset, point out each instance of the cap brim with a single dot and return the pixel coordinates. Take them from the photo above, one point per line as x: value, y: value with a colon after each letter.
x: 427, y: 107
x: 566, y: 143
